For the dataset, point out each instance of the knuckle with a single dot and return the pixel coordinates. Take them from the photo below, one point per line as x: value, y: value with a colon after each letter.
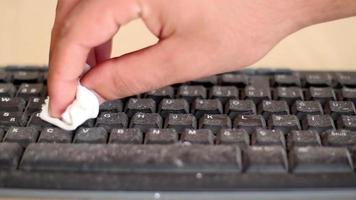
x: 65, y: 28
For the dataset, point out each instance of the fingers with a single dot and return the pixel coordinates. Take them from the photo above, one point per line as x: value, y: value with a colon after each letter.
x: 91, y: 60
x: 103, y: 52
x: 64, y: 7
x: 90, y: 23
x: 99, y: 54
x: 167, y: 62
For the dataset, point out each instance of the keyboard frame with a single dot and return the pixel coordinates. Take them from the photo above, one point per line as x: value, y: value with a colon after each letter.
x: 305, y: 188
x: 296, y: 194
x: 148, y: 181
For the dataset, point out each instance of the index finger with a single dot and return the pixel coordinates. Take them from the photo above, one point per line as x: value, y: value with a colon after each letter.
x: 89, y: 24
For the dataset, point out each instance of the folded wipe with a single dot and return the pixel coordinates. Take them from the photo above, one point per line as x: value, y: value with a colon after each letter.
x: 84, y: 107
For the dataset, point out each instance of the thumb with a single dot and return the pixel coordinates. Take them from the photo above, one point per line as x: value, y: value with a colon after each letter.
x: 162, y: 64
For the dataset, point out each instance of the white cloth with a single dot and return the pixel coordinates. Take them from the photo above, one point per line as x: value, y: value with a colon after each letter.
x: 84, y: 107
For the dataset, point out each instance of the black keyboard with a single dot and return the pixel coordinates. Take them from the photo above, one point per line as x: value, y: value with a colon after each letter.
x: 244, y: 130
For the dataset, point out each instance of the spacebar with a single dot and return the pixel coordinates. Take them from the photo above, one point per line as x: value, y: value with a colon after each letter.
x: 131, y: 158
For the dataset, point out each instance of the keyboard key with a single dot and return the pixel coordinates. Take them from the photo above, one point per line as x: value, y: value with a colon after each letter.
x: 111, y: 106
x: 12, y: 104
x: 285, y: 123
x: 347, y: 122
x: 233, y: 137
x: 88, y: 124
x: 10, y: 154
x: 26, y: 77
x: 247, y: 71
x: 320, y: 160
x: 304, y: 108
x: 199, y: 136
x: 323, y: 95
x: 287, y: 80
x: 214, y: 122
x: 36, y: 122
x: 265, y: 137
x: 159, y: 94
x: 206, y: 81
x: 320, y: 123
x: 268, y: 108
x: 263, y: 72
x: 190, y: 93
x: 131, y: 158
x: 91, y: 135
x: 249, y: 122
x: 170, y: 106
x: 7, y: 90
x: 126, y: 136
x: 259, y: 81
x: 55, y: 135
x: 338, y: 108
x: 289, y: 94
x: 5, y: 76
x: 206, y: 106
x: 109, y: 120
x: 348, y: 94
x: 240, y: 107
x: 140, y: 105
x: 145, y: 121
x: 224, y: 93
x: 161, y: 136
x: 34, y: 104
x: 12, y: 119
x: 180, y: 122
x: 21, y: 135
x: 257, y: 94
x: 265, y: 159
x: 346, y: 79
x: 318, y: 79
x: 285, y: 71
x: 303, y: 138
x: 31, y: 90
x: 339, y: 138
x: 238, y: 80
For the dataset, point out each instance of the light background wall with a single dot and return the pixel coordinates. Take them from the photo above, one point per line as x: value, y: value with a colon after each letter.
x: 25, y: 27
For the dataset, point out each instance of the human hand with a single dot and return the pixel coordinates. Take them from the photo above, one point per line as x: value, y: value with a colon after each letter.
x: 197, y: 38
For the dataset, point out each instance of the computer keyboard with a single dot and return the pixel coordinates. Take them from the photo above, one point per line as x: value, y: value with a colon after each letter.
x: 244, y: 130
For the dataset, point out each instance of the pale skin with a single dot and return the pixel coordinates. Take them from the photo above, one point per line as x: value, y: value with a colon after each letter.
x: 197, y: 38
